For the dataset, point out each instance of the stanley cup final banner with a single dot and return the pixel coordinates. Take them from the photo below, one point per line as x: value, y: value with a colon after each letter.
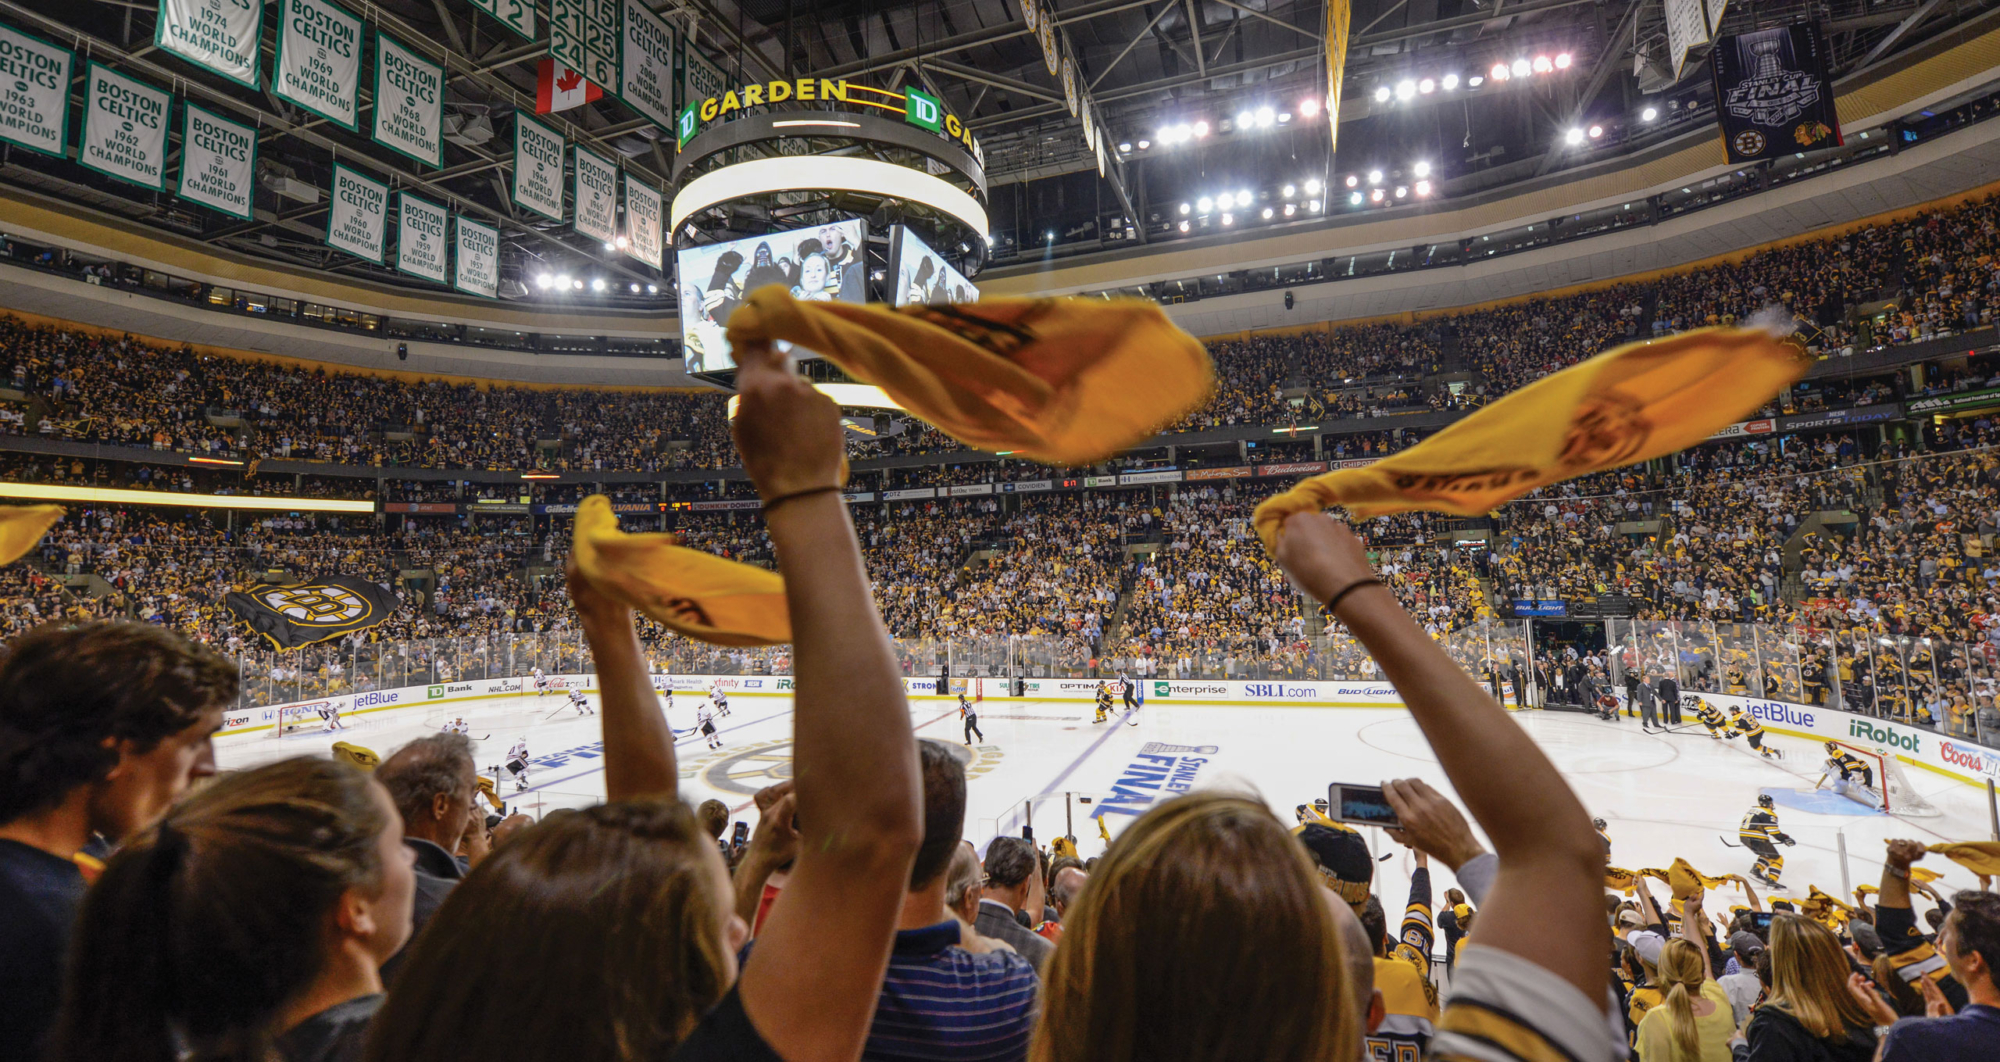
x: 1773, y: 96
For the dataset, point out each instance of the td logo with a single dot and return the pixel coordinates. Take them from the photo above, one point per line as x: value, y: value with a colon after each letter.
x: 922, y: 109
x: 434, y: 692
x: 1885, y: 735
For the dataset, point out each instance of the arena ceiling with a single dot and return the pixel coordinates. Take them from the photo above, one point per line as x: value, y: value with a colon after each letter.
x: 1145, y: 63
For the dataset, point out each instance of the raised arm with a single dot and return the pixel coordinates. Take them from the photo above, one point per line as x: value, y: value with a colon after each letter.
x: 1546, y: 899
x: 638, y: 742
x: 811, y: 982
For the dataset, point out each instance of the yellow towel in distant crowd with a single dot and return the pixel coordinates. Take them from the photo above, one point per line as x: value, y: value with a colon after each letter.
x: 706, y: 597
x: 1640, y: 401
x: 22, y: 526
x: 365, y: 758
x: 1685, y: 880
x: 1063, y: 381
x: 1980, y: 857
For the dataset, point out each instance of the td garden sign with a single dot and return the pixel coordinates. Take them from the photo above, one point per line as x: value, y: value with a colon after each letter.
x: 916, y: 107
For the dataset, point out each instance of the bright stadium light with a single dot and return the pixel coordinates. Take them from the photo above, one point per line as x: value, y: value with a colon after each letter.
x: 1421, y: 169
x: 1382, y: 94
x: 1291, y: 190
x: 1226, y: 219
x: 1376, y: 195
x: 1284, y: 116
x: 1374, y: 176
x: 1448, y: 82
x: 1474, y: 81
x: 652, y: 289
x: 1405, y: 89
x: 1244, y: 198
x: 1649, y: 114
x: 609, y: 246
x: 1313, y: 206
x: 1184, y: 226
x: 576, y: 285
x: 1125, y: 148
x: 544, y: 281
x: 1144, y: 144
x: 1200, y: 129
x: 1521, y: 68
x: 1225, y: 201
x: 1355, y: 199
x: 1499, y: 72
x: 562, y: 280
x: 1185, y: 208
x: 597, y: 284
x: 1423, y: 187
x: 1426, y: 86
x: 1573, y: 137
x: 1562, y: 61
x: 1308, y: 107
x: 1543, y: 65
x: 1245, y: 119
x: 1290, y: 210
x: 1265, y: 116
x: 1204, y: 204
x: 1352, y: 180
x: 1267, y: 213
x: 1596, y: 131
x: 1312, y: 186
x: 1401, y: 191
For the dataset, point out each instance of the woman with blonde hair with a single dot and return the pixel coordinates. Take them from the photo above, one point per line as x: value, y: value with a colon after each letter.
x: 1204, y: 934
x: 1694, y: 1022
x: 1809, y: 1016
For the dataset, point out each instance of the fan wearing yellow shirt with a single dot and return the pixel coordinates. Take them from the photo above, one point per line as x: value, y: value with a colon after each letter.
x: 1402, y: 975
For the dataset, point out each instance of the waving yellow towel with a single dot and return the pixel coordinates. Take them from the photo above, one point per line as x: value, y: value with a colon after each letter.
x: 698, y: 594
x: 22, y: 526
x: 1063, y: 381
x: 1980, y: 857
x: 1640, y: 401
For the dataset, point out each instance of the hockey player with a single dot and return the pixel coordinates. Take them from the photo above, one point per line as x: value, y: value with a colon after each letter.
x: 720, y: 698
x: 578, y: 702
x: 331, y: 715
x: 1600, y: 826
x: 1760, y: 834
x: 1745, y: 725
x: 1848, y: 766
x: 517, y: 764
x: 705, y: 722
x: 541, y: 682
x: 1103, y: 703
x: 1712, y: 718
x: 970, y: 716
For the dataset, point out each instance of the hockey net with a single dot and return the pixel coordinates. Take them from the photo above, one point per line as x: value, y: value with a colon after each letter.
x: 1892, y: 791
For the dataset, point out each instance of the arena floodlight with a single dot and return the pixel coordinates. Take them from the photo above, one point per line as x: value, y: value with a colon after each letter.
x: 1291, y: 190
x: 1355, y: 199
x: 1144, y: 144
x: 1125, y: 147
x: 1267, y: 213
x: 768, y: 176
x: 652, y: 289
x: 1401, y: 191
x: 576, y: 285
x: 635, y: 289
x: 1204, y: 204
x: 1185, y: 208
x: 1543, y: 64
x: 57, y: 492
x: 1405, y: 89
x: 544, y: 281
x: 1308, y: 107
x: 1225, y: 201
x: 1499, y: 72
x: 609, y: 247
x: 1423, y: 188
x: 1245, y: 119
x: 1226, y: 219
x: 597, y: 284
x: 1426, y: 86
x: 1374, y: 176
x: 1573, y: 137
x: 1290, y: 210
x: 1562, y: 60
x: 1649, y: 114
x: 1284, y: 116
x: 1244, y: 198
x: 1596, y: 131
x: 1352, y: 180
x: 1382, y: 94
x: 1313, y: 206
x: 1474, y: 81
x: 1421, y: 169
x: 1265, y: 116
x: 1521, y: 68
x: 1375, y: 196
x: 1184, y: 226
x: 1312, y: 186
x: 562, y: 281
x: 1448, y: 82
x: 1200, y: 129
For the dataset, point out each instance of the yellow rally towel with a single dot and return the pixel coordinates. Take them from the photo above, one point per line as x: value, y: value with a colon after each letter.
x: 1980, y: 857
x: 1685, y: 880
x: 364, y: 758
x: 1064, y: 381
x: 1640, y: 401
x: 22, y: 526
x: 1619, y: 878
x: 493, y: 798
x: 698, y: 594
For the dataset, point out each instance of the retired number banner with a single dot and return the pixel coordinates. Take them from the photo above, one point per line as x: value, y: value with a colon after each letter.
x: 643, y: 209
x: 538, y: 167
x: 218, y: 35
x: 516, y: 15
x: 596, y: 197
x: 34, y: 91
x: 421, y: 250
x: 1773, y: 96
x: 646, y: 67
x: 319, y: 60
x: 218, y: 162
x: 409, y: 102
x: 477, y: 264
x: 358, y: 222
x: 125, y: 129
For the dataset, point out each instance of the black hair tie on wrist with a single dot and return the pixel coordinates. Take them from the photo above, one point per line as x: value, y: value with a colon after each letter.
x: 1334, y: 601
x: 808, y: 492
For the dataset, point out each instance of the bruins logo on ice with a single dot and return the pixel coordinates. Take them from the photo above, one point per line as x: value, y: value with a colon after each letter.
x: 748, y: 769
x: 296, y: 614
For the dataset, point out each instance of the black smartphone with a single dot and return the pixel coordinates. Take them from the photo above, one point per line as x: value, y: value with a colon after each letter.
x: 1760, y: 921
x: 742, y: 834
x: 1363, y: 804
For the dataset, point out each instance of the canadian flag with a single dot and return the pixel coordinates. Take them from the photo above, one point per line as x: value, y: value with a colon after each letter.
x: 558, y: 88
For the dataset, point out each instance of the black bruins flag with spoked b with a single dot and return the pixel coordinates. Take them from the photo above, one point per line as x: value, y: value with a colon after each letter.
x: 294, y: 614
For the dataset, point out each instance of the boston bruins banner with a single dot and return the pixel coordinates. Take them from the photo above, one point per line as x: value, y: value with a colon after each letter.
x: 1772, y: 93
x: 220, y: 35
x: 218, y: 161
x: 34, y: 91
x: 296, y: 614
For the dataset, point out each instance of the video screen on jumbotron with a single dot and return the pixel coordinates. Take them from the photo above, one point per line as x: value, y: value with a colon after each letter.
x: 821, y: 263
x: 921, y: 274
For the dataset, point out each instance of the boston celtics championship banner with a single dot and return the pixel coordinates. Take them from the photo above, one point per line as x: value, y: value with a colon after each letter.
x: 34, y: 91
x: 319, y: 60
x: 596, y: 197
x: 218, y: 35
x: 125, y: 129
x: 477, y: 265
x: 409, y: 102
x: 698, y: 79
x: 538, y: 167
x: 358, y: 222
x: 421, y: 246
x: 646, y: 68
x: 218, y: 162
x: 643, y: 210
x: 516, y: 15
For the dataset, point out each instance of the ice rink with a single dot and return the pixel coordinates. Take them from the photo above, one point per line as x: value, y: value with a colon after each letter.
x: 1663, y: 795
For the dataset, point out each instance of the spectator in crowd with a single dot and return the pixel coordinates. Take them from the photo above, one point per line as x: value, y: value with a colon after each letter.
x: 1809, y: 1014
x: 1218, y: 877
x: 435, y: 786
x: 950, y: 995
x: 962, y: 888
x: 252, y: 924
x: 102, y: 728
x: 1970, y: 944
x: 1694, y: 1022
x: 1013, y: 888
x: 633, y: 894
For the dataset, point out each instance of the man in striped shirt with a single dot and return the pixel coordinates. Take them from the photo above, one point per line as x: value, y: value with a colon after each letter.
x: 950, y: 994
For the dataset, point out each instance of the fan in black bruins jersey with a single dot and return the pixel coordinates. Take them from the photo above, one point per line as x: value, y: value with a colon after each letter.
x: 1760, y: 834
